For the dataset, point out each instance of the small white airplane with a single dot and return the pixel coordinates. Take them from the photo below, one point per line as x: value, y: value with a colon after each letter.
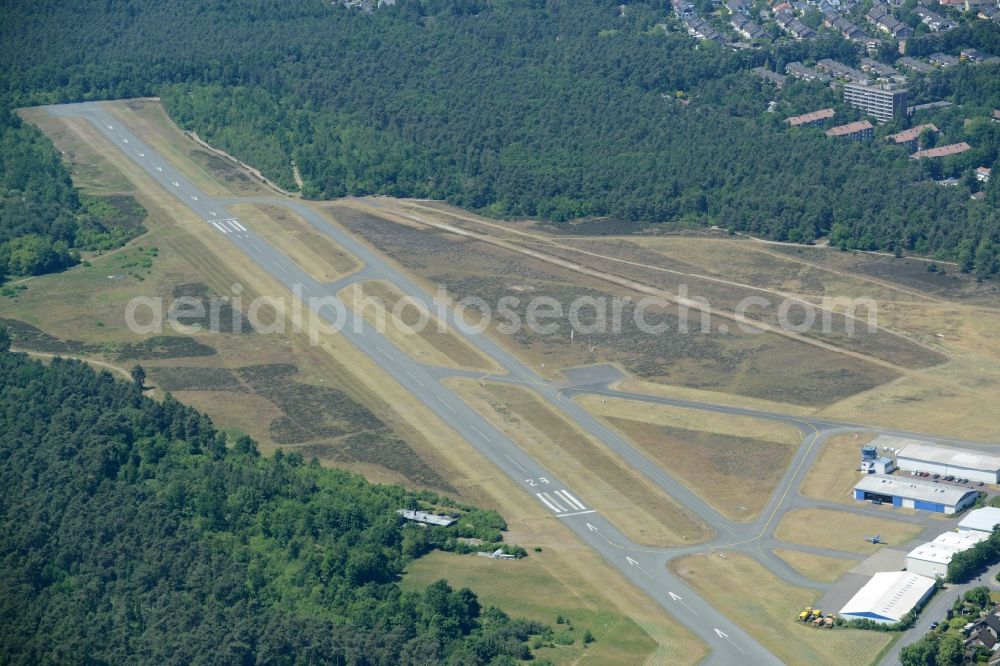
x: 194, y: 198
x: 874, y: 539
x: 108, y: 126
x: 140, y: 153
x: 175, y: 183
x: 212, y: 213
x: 124, y: 139
x: 159, y: 168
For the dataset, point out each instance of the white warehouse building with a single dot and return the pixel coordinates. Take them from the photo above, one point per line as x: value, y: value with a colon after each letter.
x: 980, y: 520
x: 914, y: 455
x: 932, y: 558
x: 888, y: 596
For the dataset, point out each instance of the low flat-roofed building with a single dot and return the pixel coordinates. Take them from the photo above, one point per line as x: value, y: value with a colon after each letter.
x: 923, y: 456
x: 888, y: 596
x: 943, y: 151
x: 427, y: 518
x: 909, y: 493
x: 915, y: 65
x: 813, y: 118
x: 800, y: 71
x: 857, y: 131
x: 931, y: 559
x: 980, y: 520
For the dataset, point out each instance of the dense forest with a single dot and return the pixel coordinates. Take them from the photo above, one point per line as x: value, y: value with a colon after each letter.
x: 43, y: 220
x: 558, y: 109
x: 132, y: 534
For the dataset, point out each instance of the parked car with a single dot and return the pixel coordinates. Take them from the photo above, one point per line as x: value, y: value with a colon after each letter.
x: 980, y: 483
x: 937, y: 476
x: 950, y: 477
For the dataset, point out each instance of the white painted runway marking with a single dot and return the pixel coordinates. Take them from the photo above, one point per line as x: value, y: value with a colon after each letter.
x: 559, y: 507
x: 175, y: 183
x: 383, y: 352
x: 576, y: 513
x: 124, y: 140
x: 108, y: 126
x: 158, y: 167
x: 547, y: 502
x: 285, y: 270
x: 194, y: 198
x: 220, y: 227
x: 232, y: 226
x: 519, y: 465
x: 140, y: 153
x: 480, y: 433
x: 572, y: 501
x: 212, y: 213
x: 445, y: 403
x: 238, y: 225
x: 306, y: 289
x: 259, y: 251
x: 414, y: 377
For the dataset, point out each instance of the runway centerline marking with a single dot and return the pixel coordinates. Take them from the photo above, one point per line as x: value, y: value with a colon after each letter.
x: 283, y: 269
x: 519, y: 465
x: 480, y: 433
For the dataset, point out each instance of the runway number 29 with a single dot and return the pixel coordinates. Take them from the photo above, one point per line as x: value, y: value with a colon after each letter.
x: 535, y: 482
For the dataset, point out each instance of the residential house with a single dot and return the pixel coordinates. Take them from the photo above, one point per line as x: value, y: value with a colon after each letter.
x: 983, y: 174
x: 800, y: 71
x: 911, y: 137
x: 943, y: 59
x: 878, y: 68
x: 814, y: 118
x: 857, y: 131
x: 934, y: 21
x: 941, y: 151
x: 915, y: 65
x: 768, y: 75
x: 841, y: 71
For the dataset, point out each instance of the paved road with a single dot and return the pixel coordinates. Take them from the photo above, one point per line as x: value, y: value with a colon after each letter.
x: 645, y: 567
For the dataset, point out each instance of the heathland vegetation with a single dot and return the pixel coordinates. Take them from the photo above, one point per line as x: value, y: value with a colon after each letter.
x: 135, y: 533
x: 559, y: 110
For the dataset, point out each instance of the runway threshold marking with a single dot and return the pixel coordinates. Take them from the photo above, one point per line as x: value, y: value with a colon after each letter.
x: 220, y: 227
x: 547, y: 501
x: 569, y: 499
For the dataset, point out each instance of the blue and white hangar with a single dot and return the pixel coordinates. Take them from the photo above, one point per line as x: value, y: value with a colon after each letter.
x: 908, y: 492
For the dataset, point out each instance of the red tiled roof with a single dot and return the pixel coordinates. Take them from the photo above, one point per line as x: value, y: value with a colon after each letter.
x: 942, y: 151
x: 822, y: 114
x: 849, y: 128
x: 912, y: 133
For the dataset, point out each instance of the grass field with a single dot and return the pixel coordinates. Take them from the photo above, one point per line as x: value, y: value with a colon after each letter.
x: 827, y: 528
x: 766, y: 607
x: 764, y: 366
x: 734, y: 463
x: 835, y: 471
x: 642, y: 511
x: 539, y: 596
x: 311, y: 250
x: 379, y: 302
x: 820, y: 568
x: 948, y: 323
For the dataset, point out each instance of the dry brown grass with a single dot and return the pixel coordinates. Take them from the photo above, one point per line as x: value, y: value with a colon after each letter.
x: 835, y: 471
x: 767, y: 608
x: 378, y: 301
x: 840, y: 530
x: 311, y: 250
x: 817, y: 567
x: 642, y: 511
x: 734, y: 463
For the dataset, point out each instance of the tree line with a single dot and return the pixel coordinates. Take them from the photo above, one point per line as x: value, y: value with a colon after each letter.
x: 134, y: 534
x: 44, y: 222
x: 559, y: 110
